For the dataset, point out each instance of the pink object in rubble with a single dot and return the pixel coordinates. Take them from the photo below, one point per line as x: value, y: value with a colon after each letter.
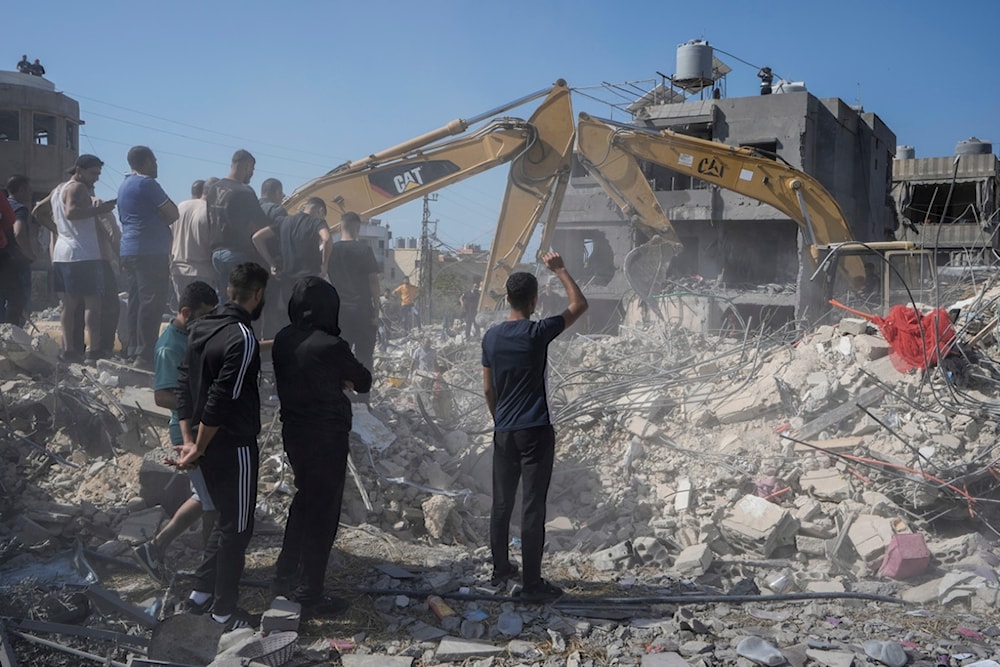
x: 906, y: 556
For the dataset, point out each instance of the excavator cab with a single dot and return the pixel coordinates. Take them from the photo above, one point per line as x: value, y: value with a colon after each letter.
x: 896, y: 272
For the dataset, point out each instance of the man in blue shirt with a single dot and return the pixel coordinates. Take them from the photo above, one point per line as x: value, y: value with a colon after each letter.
x: 197, y: 299
x: 146, y: 213
x: 515, y: 356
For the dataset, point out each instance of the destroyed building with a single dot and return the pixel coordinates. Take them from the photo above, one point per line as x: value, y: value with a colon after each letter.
x: 950, y: 203
x: 39, y: 131
x: 769, y: 498
x: 751, y: 254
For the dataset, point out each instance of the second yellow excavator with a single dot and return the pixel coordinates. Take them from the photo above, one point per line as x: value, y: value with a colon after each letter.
x: 613, y: 153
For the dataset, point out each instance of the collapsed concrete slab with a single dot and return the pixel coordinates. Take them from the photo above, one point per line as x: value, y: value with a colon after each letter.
x: 756, y: 525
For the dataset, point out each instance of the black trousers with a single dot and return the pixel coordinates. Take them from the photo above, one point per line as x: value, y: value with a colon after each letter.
x: 15, y: 290
x: 319, y: 461
x: 230, y: 470
x: 525, y: 454
x: 147, y: 281
x: 358, y: 329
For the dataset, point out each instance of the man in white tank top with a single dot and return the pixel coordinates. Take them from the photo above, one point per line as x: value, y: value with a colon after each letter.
x: 76, y: 255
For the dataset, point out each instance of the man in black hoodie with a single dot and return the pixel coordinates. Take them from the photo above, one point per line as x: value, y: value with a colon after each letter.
x: 219, y: 409
x: 312, y: 367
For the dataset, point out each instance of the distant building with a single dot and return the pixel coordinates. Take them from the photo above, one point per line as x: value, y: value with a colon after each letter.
x: 966, y: 231
x: 39, y: 131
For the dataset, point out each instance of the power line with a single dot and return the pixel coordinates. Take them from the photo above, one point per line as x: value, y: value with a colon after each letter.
x: 203, y: 141
x: 203, y: 129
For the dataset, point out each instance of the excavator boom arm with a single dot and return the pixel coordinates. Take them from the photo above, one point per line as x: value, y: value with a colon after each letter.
x: 539, y: 150
x: 611, y: 152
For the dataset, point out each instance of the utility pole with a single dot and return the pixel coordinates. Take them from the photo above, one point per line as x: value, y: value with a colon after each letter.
x: 426, y: 264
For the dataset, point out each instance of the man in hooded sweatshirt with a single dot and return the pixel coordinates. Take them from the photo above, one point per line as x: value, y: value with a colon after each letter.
x: 312, y: 367
x: 218, y: 405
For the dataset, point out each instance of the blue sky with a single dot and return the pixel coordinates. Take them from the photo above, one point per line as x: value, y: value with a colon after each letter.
x: 306, y: 86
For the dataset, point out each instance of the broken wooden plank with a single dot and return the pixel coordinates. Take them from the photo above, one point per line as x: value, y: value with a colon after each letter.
x: 833, y: 444
x: 109, y: 601
x: 7, y: 657
x: 840, y: 413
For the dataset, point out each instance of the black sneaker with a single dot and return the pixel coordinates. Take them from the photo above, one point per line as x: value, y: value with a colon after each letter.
x: 500, y: 576
x: 541, y: 593
x: 326, y: 606
x: 238, y: 620
x: 146, y: 555
x: 192, y: 607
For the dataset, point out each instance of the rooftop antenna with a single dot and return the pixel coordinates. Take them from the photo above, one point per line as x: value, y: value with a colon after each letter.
x: 857, y: 100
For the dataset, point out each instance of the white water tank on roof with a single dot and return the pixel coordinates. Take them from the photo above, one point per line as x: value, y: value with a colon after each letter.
x: 790, y: 87
x: 694, y: 61
x: 973, y: 146
x: 905, y: 152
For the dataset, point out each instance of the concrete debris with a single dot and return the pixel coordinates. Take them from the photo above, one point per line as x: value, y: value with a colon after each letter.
x: 757, y: 525
x: 803, y: 464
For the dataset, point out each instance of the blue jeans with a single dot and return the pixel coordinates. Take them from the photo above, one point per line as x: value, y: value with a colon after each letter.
x: 147, y: 281
x: 224, y: 261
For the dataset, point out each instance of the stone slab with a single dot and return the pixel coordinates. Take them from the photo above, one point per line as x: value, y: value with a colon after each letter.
x: 665, y: 659
x: 455, y: 649
x: 354, y: 660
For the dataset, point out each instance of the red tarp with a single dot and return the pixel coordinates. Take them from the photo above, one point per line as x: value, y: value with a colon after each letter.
x: 915, y: 341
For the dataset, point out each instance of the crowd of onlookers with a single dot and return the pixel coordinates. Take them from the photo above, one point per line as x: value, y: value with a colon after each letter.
x: 230, y: 259
x: 155, y: 248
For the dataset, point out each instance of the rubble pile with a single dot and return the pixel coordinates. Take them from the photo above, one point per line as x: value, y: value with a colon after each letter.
x: 770, y: 498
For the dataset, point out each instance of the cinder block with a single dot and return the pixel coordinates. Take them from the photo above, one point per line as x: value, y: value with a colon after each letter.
x: 283, y: 616
x: 853, y: 326
x: 695, y: 560
x: 651, y: 550
x: 810, y: 546
x: 870, y: 348
x: 870, y: 535
x: 826, y: 484
x: 758, y: 525
x: 906, y: 556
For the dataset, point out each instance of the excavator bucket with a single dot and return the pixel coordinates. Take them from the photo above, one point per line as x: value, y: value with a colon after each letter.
x: 619, y: 174
x: 646, y: 265
x: 537, y: 179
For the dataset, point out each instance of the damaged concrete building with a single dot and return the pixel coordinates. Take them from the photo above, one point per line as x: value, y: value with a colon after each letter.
x: 741, y: 257
x: 949, y: 203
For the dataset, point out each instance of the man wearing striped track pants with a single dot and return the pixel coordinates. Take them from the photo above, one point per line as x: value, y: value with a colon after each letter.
x: 219, y: 409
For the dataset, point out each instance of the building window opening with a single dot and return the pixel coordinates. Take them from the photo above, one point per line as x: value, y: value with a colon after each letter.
x: 10, y: 125
x: 599, y: 259
x: 71, y: 140
x: 44, y: 130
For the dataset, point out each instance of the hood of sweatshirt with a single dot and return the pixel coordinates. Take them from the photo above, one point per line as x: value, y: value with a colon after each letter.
x: 202, y: 329
x: 315, y: 304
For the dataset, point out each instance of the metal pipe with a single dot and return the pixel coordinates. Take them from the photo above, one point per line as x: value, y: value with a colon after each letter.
x: 658, y: 599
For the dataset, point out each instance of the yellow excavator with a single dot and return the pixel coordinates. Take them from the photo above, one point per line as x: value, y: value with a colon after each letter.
x: 896, y: 272
x: 539, y: 150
